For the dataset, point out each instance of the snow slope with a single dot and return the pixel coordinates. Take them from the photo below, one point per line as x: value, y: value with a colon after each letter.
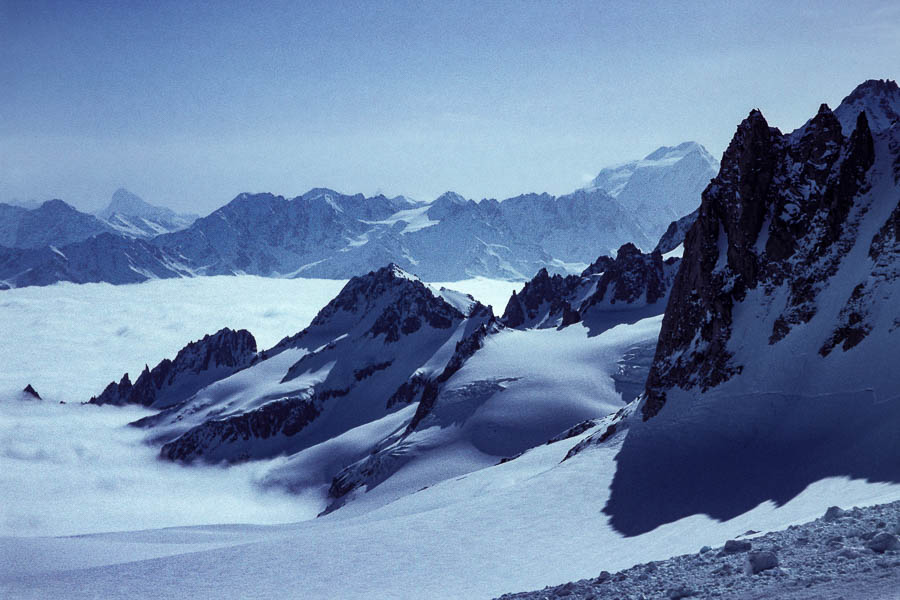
x: 527, y: 523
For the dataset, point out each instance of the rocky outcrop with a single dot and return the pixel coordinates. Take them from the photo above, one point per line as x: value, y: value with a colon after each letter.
x: 196, y: 365
x: 633, y: 280
x: 31, y: 393
x: 541, y: 298
x: 285, y: 417
x: 778, y: 221
x: 797, y: 563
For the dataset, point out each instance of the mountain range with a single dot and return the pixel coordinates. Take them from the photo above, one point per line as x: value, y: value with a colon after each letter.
x: 327, y: 234
x: 776, y: 320
x: 383, y: 371
x: 740, y: 372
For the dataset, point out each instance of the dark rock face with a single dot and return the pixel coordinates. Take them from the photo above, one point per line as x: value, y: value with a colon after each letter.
x: 287, y: 416
x: 196, y: 365
x: 778, y: 213
x: 633, y: 279
x: 543, y: 291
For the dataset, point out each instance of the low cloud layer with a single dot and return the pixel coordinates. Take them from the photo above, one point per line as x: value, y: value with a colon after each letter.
x: 71, y: 469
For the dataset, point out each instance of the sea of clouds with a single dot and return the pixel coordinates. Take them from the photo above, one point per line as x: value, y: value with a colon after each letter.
x: 68, y: 468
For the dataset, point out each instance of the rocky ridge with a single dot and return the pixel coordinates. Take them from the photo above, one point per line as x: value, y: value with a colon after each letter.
x: 369, y: 352
x: 781, y: 217
x: 214, y: 357
x: 632, y: 281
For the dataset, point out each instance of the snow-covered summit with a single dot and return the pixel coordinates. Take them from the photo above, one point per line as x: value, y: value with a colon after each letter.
x: 131, y: 216
x: 444, y: 204
x: 663, y: 186
x: 879, y: 98
x: 362, y: 358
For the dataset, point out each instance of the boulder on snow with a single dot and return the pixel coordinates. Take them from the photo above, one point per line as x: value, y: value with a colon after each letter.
x: 883, y: 542
x: 735, y: 546
x: 757, y: 562
x: 833, y: 513
x: 679, y: 592
x: 31, y: 393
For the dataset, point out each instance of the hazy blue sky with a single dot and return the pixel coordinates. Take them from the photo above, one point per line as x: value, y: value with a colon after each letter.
x: 189, y: 103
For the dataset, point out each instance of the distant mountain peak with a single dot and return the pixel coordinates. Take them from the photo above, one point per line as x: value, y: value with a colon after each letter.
x: 445, y: 204
x: 132, y: 216
x: 676, y: 152
x: 57, y: 205
x: 125, y: 203
x: 452, y: 197
x: 663, y: 186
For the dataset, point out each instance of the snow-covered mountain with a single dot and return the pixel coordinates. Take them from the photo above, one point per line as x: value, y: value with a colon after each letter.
x: 774, y: 367
x: 105, y: 257
x: 662, y: 187
x: 421, y: 426
x: 131, y: 216
x: 396, y: 376
x: 384, y: 333
x: 327, y: 234
x: 53, y: 223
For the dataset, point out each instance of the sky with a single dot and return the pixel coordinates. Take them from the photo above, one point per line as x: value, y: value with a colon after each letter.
x: 188, y: 104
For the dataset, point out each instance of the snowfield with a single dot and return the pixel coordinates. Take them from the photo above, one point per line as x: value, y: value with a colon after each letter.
x: 454, y: 523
